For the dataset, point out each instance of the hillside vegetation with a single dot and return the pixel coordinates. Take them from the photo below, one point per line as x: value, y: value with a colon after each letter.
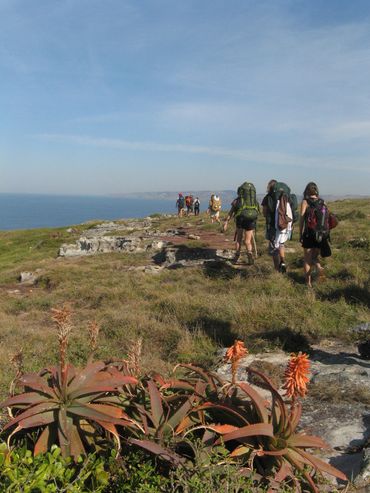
x: 182, y: 315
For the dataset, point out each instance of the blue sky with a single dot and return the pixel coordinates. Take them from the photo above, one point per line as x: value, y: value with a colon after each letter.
x: 110, y: 96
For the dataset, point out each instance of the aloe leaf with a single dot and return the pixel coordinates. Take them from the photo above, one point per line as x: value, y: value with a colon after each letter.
x: 284, y: 472
x: 33, y: 411
x: 40, y: 419
x: 223, y: 429
x: 239, y: 451
x: 64, y: 432
x: 25, y: 398
x: 113, y: 411
x: 156, y: 404
x: 200, y: 372
x: 91, y: 387
x: 179, y: 415
x: 76, y: 446
x: 43, y: 443
x: 258, y: 400
x: 112, y: 430
x: 296, y: 415
x: 301, y: 440
x: 156, y: 449
x: 259, y: 429
x: 35, y: 382
x: 320, y: 465
x: 87, y: 373
x: 87, y: 412
x: 209, y: 406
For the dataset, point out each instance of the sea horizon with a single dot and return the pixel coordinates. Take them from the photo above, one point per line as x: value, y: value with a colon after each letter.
x: 31, y: 211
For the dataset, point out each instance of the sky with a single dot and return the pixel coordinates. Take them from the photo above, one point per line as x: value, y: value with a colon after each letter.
x: 118, y: 96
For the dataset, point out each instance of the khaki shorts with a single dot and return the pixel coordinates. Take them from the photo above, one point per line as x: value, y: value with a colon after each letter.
x: 215, y: 214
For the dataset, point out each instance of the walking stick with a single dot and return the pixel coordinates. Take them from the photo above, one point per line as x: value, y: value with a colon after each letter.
x: 255, y: 245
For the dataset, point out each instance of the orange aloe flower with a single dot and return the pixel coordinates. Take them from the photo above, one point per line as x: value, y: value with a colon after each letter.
x: 234, y: 354
x: 296, y: 376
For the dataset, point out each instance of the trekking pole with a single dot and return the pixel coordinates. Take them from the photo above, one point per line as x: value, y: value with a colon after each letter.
x: 255, y: 245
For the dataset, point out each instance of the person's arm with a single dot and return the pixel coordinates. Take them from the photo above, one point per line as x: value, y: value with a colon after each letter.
x: 301, y: 220
x: 228, y: 217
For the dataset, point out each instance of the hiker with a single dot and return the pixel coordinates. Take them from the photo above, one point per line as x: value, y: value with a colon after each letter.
x: 188, y: 203
x: 214, y: 208
x: 196, y: 206
x: 180, y: 204
x: 280, y: 209
x: 314, y: 229
x: 244, y: 209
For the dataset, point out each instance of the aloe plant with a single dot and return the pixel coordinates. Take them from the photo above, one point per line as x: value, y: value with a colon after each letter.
x: 71, y: 407
x: 262, y: 433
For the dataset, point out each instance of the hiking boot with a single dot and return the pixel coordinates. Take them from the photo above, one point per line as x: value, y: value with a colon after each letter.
x: 236, y: 258
x: 282, y: 267
x: 250, y: 258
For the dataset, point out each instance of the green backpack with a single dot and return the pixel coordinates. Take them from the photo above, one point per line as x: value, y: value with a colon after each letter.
x: 248, y: 207
x: 280, y: 189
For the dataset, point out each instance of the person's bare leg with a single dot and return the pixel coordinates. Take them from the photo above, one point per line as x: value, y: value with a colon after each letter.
x: 282, y: 265
x: 307, y: 266
x: 248, y: 245
x: 316, y: 263
x: 238, y: 243
x: 276, y: 259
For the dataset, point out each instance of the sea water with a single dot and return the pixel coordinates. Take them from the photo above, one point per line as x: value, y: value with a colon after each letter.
x: 43, y: 211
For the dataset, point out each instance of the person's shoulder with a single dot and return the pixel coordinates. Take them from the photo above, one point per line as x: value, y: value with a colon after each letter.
x: 265, y: 199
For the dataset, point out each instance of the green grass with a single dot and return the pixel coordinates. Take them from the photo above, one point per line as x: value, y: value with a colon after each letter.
x: 185, y: 314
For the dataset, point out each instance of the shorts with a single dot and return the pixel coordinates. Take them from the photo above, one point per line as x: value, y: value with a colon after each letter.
x: 214, y: 213
x: 309, y: 241
x: 246, y: 224
x: 274, y: 249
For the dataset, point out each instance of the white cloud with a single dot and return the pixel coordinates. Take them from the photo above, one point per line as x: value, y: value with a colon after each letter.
x: 247, y: 155
x: 352, y: 130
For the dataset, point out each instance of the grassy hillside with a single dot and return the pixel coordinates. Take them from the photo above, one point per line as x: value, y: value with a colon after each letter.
x: 184, y: 314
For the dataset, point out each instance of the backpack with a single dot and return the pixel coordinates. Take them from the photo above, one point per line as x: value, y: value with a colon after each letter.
x: 187, y: 201
x: 317, y: 219
x: 247, y: 204
x: 281, y: 189
x: 181, y: 202
x: 196, y: 203
x: 215, y: 204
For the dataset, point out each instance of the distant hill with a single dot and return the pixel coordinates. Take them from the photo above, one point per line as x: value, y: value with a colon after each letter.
x: 226, y: 195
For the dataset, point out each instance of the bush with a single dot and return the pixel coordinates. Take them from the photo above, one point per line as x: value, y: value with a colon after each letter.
x: 50, y: 472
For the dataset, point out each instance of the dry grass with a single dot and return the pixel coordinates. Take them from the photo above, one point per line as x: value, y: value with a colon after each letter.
x: 181, y: 315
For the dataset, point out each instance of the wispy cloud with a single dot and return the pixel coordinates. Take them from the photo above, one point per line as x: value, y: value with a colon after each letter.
x: 352, y: 130
x: 247, y: 155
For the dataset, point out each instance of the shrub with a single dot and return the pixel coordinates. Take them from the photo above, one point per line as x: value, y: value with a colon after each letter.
x: 50, y: 472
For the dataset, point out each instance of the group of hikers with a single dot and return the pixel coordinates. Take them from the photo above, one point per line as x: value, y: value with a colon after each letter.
x: 192, y: 206
x: 280, y: 209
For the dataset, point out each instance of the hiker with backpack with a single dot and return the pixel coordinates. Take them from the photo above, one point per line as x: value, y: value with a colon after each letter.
x: 189, y: 204
x: 180, y: 204
x: 315, y: 224
x: 244, y: 209
x: 214, y: 208
x: 196, y: 206
x: 280, y: 209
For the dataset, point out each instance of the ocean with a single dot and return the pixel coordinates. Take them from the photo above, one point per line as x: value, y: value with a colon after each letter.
x: 46, y: 211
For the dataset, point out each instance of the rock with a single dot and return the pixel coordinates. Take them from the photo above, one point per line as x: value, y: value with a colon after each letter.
x: 363, y: 478
x: 364, y: 349
x: 156, y: 245
x: 30, y: 278
x: 193, y: 237
x: 104, y: 244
